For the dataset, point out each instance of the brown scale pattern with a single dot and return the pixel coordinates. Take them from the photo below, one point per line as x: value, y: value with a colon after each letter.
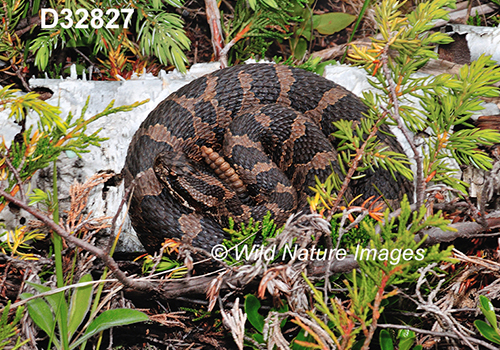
x: 239, y: 142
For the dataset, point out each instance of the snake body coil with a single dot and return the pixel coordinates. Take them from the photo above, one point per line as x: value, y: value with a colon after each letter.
x: 264, y: 128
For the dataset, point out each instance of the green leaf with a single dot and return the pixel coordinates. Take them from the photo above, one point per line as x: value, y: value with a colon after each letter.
x: 80, y: 304
x: 42, y: 57
x: 175, y: 3
x: 300, y: 49
x: 489, y: 311
x: 252, y: 306
x: 111, y: 318
x: 320, y: 68
x: 253, y: 4
x: 333, y: 22
x: 259, y: 338
x: 60, y: 307
x: 40, y: 313
x: 271, y: 3
x: 386, y: 340
x: 407, y: 338
x: 163, y: 35
x: 79, y: 69
x: 38, y: 196
x: 487, y: 331
x: 297, y: 9
x: 306, y: 32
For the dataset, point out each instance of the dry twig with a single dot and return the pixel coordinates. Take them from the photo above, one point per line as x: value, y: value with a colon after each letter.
x: 444, y: 318
x: 438, y: 334
x: 109, y: 261
x: 235, y: 320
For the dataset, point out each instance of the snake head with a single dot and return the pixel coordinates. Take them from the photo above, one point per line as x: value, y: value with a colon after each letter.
x: 171, y: 169
x: 192, y: 185
x: 170, y: 164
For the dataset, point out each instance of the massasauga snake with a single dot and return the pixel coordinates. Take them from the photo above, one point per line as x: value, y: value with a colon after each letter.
x: 239, y: 142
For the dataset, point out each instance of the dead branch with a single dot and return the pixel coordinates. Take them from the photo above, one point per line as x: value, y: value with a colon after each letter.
x: 213, y: 19
x: 26, y: 24
x: 460, y: 230
x: 460, y: 15
x: 172, y: 289
x: 236, y: 277
x: 18, y: 178
x: 108, y: 260
x: 438, y: 334
x: 330, y: 52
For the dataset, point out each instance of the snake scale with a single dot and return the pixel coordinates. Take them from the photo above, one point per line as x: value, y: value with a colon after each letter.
x: 265, y: 129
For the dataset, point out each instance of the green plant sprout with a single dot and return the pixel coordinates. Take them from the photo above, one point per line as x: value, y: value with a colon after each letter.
x: 489, y: 331
x: 54, y: 312
x: 8, y: 330
x: 60, y: 318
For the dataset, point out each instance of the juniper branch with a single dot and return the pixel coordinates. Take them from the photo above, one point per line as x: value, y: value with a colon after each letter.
x: 420, y: 185
x: 352, y: 170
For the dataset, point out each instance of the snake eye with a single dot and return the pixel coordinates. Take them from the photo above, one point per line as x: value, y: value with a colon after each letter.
x: 161, y: 165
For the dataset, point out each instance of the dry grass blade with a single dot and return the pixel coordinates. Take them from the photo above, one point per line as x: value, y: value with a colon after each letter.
x: 214, y: 290
x: 172, y: 319
x: 486, y: 263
